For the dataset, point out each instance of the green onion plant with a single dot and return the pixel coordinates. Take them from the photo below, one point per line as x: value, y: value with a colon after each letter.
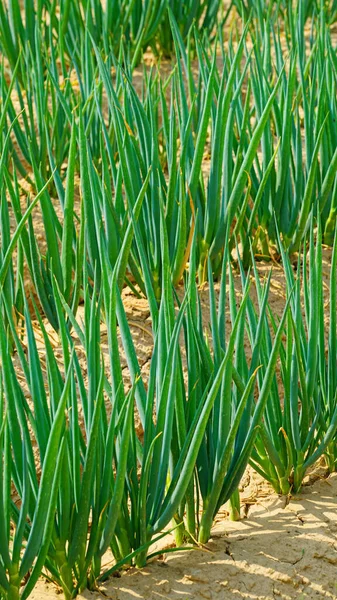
x: 300, y: 421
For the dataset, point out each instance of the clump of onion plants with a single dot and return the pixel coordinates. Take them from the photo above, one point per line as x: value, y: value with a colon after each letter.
x: 300, y: 421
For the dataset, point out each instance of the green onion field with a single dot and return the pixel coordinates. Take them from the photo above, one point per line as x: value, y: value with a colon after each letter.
x: 168, y: 299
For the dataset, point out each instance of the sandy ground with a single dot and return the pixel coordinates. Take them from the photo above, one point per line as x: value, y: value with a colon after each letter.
x: 278, y: 551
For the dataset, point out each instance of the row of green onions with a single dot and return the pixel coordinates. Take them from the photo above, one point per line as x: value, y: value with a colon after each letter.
x: 135, y: 24
x: 88, y: 482
x: 269, y: 127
